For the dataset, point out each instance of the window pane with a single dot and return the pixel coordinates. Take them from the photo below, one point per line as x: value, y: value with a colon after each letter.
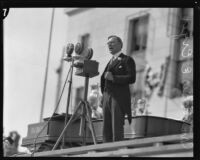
x: 79, y: 95
x: 139, y: 33
x: 85, y: 40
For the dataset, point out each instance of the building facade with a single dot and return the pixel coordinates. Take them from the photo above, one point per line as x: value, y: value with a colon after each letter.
x: 159, y: 39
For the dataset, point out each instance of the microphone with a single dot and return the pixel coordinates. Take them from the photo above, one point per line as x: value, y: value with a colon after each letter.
x: 70, y: 49
x: 78, y: 65
x: 78, y: 48
x: 88, y: 56
x: 89, y: 53
x: 69, y: 59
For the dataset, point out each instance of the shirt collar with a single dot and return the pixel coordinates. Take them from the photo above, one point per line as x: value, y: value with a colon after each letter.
x: 117, y: 54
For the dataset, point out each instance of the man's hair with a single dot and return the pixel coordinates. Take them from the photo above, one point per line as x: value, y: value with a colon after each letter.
x: 118, y: 39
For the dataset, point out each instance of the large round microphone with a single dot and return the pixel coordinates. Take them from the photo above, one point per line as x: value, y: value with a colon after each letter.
x: 78, y: 65
x: 89, y: 53
x: 70, y: 49
x: 78, y: 48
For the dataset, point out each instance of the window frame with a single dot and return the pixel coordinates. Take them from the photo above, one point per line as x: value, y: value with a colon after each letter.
x: 129, y: 29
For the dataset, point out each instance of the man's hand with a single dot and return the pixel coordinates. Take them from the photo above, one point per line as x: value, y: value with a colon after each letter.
x: 129, y: 120
x: 108, y: 76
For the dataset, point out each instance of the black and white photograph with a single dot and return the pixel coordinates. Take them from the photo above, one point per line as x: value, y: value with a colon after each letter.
x: 98, y: 81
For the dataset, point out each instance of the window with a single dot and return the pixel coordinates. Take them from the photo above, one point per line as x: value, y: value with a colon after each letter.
x: 137, y: 90
x: 184, y: 55
x: 79, y: 95
x: 138, y: 34
x: 85, y: 40
x: 185, y: 59
x: 137, y: 43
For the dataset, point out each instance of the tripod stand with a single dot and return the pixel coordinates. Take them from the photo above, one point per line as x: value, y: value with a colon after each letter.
x: 85, y: 116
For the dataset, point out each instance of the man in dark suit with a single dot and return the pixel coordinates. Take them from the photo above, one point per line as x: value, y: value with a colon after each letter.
x: 118, y: 74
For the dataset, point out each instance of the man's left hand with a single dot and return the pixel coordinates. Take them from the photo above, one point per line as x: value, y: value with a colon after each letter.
x: 129, y: 120
x: 108, y: 76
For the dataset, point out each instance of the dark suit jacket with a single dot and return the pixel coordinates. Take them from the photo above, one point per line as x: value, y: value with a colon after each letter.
x: 124, y: 73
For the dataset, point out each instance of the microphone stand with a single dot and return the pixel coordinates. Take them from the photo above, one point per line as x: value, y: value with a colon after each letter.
x: 85, y: 116
x: 68, y: 99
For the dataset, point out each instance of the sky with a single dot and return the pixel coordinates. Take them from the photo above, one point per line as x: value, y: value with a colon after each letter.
x: 26, y: 38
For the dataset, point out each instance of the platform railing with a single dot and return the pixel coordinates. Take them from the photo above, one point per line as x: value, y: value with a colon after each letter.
x: 179, y: 145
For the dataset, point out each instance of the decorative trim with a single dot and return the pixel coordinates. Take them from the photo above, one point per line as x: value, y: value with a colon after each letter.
x: 73, y: 11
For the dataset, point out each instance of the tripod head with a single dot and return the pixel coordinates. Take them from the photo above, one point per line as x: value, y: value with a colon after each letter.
x: 87, y: 68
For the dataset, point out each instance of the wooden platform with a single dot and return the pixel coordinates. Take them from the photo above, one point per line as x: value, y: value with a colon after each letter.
x: 179, y: 145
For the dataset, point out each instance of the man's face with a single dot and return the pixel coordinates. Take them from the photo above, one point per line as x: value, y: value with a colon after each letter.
x: 114, y: 45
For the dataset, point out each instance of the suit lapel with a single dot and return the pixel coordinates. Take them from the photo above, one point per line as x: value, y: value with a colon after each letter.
x: 107, y: 68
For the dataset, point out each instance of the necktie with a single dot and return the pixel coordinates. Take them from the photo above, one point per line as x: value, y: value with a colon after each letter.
x: 113, y: 58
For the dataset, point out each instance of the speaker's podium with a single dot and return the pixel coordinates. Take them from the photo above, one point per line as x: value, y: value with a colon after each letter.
x: 141, y: 127
x: 52, y: 131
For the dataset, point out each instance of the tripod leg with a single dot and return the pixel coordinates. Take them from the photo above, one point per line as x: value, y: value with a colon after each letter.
x: 90, y: 122
x: 82, y: 131
x: 69, y: 122
x: 82, y: 121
